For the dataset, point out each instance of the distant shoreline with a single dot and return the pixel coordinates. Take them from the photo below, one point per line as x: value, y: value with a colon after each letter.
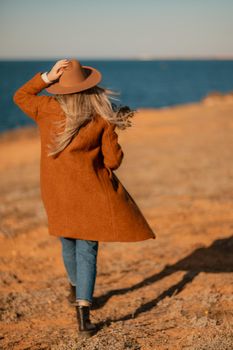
x: 212, y: 99
x: 141, y: 83
x: 31, y: 128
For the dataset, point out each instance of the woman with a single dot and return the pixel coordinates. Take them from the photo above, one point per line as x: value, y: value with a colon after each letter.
x: 84, y: 200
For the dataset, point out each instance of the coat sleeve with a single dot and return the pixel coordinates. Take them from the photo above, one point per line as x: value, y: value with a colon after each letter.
x: 112, y: 151
x: 26, y: 96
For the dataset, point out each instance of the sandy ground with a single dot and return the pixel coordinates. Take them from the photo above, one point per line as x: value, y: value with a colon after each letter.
x: 174, y: 292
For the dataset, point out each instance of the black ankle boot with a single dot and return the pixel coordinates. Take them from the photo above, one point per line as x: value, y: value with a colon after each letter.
x: 72, y: 294
x: 86, y: 328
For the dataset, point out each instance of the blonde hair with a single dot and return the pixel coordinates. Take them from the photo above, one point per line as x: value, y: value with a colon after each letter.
x: 81, y: 107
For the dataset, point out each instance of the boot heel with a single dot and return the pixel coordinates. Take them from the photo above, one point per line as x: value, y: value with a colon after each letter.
x: 85, y: 327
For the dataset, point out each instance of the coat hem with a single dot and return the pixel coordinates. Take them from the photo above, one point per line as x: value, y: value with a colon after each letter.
x: 101, y: 240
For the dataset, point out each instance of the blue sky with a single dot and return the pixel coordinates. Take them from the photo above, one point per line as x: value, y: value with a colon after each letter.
x: 45, y: 29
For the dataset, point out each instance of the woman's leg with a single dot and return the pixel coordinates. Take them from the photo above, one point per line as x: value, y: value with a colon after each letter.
x: 86, y: 268
x: 69, y: 258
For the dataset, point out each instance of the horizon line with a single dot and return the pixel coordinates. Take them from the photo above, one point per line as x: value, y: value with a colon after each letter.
x: 138, y: 58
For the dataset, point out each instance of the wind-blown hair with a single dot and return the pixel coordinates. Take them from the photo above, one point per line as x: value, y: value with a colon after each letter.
x: 81, y: 107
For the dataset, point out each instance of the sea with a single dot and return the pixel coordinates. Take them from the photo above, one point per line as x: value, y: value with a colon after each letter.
x: 140, y: 83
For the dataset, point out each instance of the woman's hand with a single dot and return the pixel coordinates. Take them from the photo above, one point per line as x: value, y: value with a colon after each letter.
x: 57, y: 69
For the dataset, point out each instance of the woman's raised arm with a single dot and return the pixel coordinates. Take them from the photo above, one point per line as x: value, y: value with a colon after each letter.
x: 26, y: 96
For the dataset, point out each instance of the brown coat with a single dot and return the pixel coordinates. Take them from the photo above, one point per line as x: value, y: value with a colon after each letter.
x: 82, y: 196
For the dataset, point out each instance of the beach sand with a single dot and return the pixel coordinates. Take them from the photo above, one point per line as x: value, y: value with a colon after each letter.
x: 174, y: 292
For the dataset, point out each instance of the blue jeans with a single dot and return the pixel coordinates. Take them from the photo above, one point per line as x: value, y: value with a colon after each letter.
x: 80, y: 257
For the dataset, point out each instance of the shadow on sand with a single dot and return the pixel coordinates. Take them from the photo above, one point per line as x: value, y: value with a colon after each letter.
x: 217, y: 258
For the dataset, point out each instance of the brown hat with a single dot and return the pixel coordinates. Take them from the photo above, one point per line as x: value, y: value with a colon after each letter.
x: 75, y: 78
